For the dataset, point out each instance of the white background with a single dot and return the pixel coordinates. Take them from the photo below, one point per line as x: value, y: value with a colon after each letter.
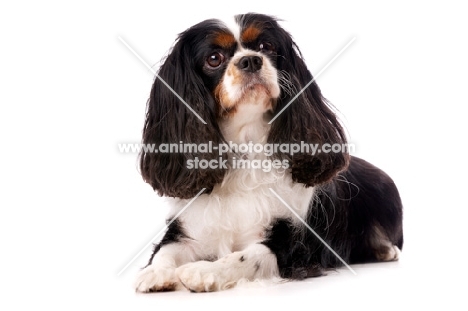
x: 74, y: 211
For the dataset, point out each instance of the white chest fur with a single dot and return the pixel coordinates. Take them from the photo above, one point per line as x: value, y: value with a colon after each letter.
x: 239, y: 210
x: 237, y: 213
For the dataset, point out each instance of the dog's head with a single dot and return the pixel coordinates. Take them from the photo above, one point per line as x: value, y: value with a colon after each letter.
x: 216, y: 82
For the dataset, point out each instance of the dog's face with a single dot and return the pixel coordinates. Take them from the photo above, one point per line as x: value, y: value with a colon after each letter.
x: 238, y: 63
x: 240, y: 69
x: 231, y: 74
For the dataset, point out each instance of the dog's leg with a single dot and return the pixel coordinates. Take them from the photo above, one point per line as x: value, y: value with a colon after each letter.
x: 160, y: 274
x: 383, y: 249
x: 255, y: 262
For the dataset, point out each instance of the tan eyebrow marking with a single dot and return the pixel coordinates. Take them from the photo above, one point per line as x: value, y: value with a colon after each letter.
x: 250, y: 34
x: 224, y: 40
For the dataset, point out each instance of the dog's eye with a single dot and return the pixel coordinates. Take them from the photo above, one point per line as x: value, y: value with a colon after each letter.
x: 266, y: 47
x: 215, y: 60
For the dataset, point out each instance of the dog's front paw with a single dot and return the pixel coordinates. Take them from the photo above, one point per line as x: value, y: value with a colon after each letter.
x: 156, y: 279
x: 203, y: 276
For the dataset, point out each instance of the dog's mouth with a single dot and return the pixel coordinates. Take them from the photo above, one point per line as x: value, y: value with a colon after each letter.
x: 257, y: 88
x: 256, y: 93
x: 249, y: 80
x: 263, y: 81
x: 252, y: 89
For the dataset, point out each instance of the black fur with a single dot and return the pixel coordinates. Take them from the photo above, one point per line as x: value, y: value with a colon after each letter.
x: 168, y: 120
x: 173, y: 234
x: 344, y: 214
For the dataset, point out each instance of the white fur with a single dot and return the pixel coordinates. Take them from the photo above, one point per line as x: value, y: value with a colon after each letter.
x: 237, y: 213
x: 255, y: 262
x: 231, y: 24
x: 160, y: 275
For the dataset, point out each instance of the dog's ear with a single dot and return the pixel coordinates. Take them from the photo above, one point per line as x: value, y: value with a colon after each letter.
x: 308, y: 119
x: 170, y: 121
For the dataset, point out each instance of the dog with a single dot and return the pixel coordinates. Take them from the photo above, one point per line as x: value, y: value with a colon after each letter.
x: 289, y: 215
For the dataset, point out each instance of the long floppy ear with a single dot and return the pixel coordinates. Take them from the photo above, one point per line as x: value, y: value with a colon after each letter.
x: 308, y: 119
x: 170, y: 121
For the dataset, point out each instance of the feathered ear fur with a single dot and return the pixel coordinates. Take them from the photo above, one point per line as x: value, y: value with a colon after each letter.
x: 169, y: 121
x: 308, y: 119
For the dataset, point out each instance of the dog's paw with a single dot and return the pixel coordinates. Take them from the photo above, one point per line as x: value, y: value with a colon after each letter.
x: 203, y: 276
x: 156, y: 279
x: 391, y: 253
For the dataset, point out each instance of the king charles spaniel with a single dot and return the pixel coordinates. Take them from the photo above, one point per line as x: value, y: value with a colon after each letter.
x: 291, y: 213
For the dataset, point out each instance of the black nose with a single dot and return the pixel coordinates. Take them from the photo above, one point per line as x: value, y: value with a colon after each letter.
x: 250, y: 63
